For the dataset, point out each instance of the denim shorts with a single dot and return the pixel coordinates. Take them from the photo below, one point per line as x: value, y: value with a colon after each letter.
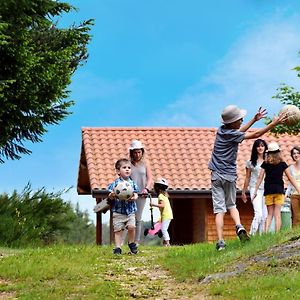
x: 223, y: 195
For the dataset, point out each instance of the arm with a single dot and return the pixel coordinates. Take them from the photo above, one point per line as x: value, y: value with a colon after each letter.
x: 160, y: 204
x: 276, y: 120
x: 149, y: 182
x: 259, y: 115
x: 292, y: 180
x: 246, y: 184
x: 258, y: 182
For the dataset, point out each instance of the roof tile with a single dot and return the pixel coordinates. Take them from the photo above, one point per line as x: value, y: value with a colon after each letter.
x: 179, y: 154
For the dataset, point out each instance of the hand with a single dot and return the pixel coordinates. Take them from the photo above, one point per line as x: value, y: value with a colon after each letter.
x: 280, y: 119
x: 244, y: 197
x: 254, y: 195
x: 111, y: 195
x: 145, y: 193
x: 260, y: 114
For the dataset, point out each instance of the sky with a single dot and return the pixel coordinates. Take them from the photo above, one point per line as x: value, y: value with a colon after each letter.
x: 164, y: 63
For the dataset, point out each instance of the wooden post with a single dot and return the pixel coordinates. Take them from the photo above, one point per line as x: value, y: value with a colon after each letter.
x: 111, y: 228
x: 98, y: 225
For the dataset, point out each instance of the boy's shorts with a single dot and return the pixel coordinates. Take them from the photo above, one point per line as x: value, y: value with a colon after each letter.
x: 223, y: 195
x: 274, y: 199
x: 121, y: 222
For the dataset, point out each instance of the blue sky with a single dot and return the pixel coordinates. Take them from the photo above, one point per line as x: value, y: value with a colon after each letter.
x: 164, y: 63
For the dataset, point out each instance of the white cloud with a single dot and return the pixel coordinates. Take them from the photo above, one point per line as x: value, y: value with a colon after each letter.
x: 247, y: 76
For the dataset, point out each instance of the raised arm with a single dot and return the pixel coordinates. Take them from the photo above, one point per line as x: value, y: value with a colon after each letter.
x: 256, y: 134
x: 259, y: 115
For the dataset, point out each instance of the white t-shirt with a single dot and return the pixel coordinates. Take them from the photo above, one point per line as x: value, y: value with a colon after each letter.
x: 254, y: 174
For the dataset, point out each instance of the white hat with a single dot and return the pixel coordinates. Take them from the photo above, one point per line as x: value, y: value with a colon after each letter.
x: 136, y: 145
x: 161, y: 181
x: 232, y: 113
x: 273, y: 147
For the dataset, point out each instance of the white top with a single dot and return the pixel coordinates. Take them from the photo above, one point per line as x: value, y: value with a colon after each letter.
x: 254, y: 174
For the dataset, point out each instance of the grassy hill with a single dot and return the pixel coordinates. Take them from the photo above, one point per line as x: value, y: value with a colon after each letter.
x: 265, y: 268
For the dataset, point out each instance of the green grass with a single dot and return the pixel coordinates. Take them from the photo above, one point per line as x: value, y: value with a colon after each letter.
x: 93, y: 272
x: 269, y: 279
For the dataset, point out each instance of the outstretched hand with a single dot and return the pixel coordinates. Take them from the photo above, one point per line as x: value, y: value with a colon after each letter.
x: 280, y: 119
x: 262, y: 112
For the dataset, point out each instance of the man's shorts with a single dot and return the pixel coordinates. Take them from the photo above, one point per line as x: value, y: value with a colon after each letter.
x: 223, y: 195
x: 121, y: 222
x: 274, y: 199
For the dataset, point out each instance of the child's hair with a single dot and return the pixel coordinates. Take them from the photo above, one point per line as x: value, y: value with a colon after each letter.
x: 273, y: 158
x: 292, y: 151
x: 254, y: 154
x: 160, y: 188
x: 120, y: 162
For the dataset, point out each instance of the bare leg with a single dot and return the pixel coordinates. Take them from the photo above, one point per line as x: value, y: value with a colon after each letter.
x: 277, y: 216
x: 118, y: 238
x: 270, y: 209
x: 131, y: 234
x: 219, y: 219
x: 235, y: 215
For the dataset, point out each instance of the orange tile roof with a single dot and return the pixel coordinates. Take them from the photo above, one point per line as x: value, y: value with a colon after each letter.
x: 181, y: 155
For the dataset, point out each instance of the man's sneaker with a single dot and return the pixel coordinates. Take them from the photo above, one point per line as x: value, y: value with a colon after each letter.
x: 220, y: 245
x: 117, y: 251
x: 242, y: 233
x: 133, y: 248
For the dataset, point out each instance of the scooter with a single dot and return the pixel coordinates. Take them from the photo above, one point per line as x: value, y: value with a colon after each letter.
x: 155, y: 227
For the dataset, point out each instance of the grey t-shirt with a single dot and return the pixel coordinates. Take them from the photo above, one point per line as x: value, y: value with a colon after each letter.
x: 224, y: 154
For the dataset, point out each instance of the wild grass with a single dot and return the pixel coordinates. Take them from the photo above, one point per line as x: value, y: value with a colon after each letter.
x: 249, y: 276
x: 93, y: 272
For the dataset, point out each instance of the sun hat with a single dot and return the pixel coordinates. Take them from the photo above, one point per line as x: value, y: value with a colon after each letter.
x: 273, y: 147
x: 136, y: 145
x: 232, y: 113
x: 161, y: 181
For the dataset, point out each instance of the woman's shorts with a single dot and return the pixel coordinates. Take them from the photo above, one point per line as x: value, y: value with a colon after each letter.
x: 274, y: 199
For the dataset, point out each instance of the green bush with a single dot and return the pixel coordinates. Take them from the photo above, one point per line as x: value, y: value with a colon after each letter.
x: 38, y: 218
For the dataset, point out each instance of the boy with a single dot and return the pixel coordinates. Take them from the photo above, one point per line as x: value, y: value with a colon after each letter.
x: 123, y: 211
x: 223, y: 165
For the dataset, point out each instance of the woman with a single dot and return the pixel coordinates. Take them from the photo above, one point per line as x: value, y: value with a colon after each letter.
x: 291, y: 192
x: 273, y: 169
x: 142, y: 175
x: 252, y: 171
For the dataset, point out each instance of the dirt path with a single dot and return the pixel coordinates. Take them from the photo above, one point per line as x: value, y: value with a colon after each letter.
x: 143, y: 279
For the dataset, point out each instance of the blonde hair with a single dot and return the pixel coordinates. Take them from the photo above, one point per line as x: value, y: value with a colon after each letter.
x: 274, y: 158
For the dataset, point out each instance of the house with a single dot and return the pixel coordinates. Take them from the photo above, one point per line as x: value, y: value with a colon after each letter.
x: 181, y: 155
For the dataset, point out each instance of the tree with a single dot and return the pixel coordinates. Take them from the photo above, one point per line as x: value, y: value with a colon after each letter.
x: 287, y: 95
x: 37, y: 60
x: 39, y: 218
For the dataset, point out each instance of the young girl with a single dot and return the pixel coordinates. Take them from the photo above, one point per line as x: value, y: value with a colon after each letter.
x: 252, y: 171
x: 273, y: 168
x: 166, y: 214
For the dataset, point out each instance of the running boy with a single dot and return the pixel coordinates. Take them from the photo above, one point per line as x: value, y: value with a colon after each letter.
x: 123, y: 211
x: 223, y: 165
